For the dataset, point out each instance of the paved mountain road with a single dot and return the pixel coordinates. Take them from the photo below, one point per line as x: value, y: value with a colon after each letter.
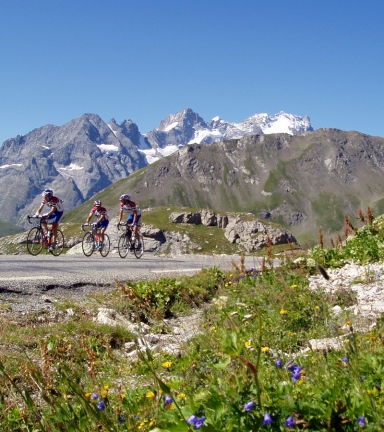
x: 26, y: 281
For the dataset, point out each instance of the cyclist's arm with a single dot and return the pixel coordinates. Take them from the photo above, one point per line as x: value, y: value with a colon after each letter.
x: 53, y: 209
x: 89, y: 217
x: 120, y: 215
x: 134, y: 216
x: 40, y: 208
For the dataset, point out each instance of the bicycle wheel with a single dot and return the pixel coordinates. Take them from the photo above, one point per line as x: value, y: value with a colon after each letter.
x: 105, y: 249
x: 35, y: 240
x: 138, y: 251
x: 123, y: 245
x: 88, y: 244
x: 59, y: 244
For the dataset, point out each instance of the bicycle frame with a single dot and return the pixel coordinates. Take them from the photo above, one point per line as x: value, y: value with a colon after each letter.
x: 37, y: 238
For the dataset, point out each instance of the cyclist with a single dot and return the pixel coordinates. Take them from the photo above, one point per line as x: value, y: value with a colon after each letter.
x: 102, y: 217
x: 134, y: 217
x: 55, y: 212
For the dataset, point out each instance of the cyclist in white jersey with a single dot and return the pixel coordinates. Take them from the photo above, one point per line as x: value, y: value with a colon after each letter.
x: 134, y: 214
x: 56, y: 210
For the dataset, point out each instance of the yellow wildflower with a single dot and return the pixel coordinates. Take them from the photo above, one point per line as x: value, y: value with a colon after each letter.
x: 106, y: 387
x: 234, y: 290
x: 104, y: 394
x: 150, y: 395
x: 248, y: 344
x: 181, y: 396
x: 170, y: 407
x: 213, y: 328
x: 290, y: 333
x: 167, y: 365
x: 348, y: 323
x: 283, y: 312
x: 265, y: 349
x: 152, y: 422
x: 293, y: 286
x: 88, y: 395
x: 317, y: 307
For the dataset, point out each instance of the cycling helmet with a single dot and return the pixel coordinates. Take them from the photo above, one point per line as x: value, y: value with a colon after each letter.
x: 47, y: 193
x: 97, y: 203
x: 125, y: 197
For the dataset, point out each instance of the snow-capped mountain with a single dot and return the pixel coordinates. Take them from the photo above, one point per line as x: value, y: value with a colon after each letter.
x: 187, y: 127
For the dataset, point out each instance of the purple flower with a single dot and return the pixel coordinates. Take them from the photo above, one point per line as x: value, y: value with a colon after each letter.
x: 122, y: 419
x: 295, y: 376
x: 279, y: 363
x: 249, y: 406
x: 168, y: 400
x: 344, y: 359
x: 289, y: 422
x: 100, y: 405
x: 197, y: 422
x: 361, y: 421
x: 267, y: 419
x: 95, y: 396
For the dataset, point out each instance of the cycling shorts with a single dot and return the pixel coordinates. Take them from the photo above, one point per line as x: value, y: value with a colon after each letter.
x: 103, y: 224
x: 55, y: 217
x: 130, y: 219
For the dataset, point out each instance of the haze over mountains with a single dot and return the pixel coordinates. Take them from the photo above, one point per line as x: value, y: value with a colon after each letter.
x: 86, y: 155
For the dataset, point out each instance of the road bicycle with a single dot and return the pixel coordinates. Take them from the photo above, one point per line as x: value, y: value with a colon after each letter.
x: 37, y: 239
x: 91, y: 241
x: 128, y: 241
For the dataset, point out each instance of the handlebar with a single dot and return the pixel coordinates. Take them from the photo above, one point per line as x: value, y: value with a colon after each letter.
x: 124, y: 224
x: 34, y: 217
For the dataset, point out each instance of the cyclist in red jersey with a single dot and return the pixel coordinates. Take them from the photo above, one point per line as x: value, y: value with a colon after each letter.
x: 102, y: 221
x: 134, y: 214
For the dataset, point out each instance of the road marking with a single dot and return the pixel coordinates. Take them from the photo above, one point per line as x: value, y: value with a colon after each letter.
x: 180, y: 270
x: 20, y: 278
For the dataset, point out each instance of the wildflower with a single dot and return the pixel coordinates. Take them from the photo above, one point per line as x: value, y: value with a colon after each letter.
x: 95, y: 396
x: 248, y: 344
x: 122, y: 396
x: 150, y: 395
x: 181, y: 396
x: 293, y: 286
x: 152, y: 422
x: 361, y: 421
x: 170, y: 407
x: 249, y: 406
x: 168, y: 400
x: 317, y: 307
x: 283, y: 312
x: 88, y: 395
x: 234, y: 290
x: 106, y: 387
x: 289, y: 422
x: 196, y: 421
x: 279, y: 363
x: 348, y: 323
x: 290, y: 333
x: 167, y: 365
x: 265, y: 349
x: 100, y: 405
x: 104, y: 394
x: 213, y: 328
x: 122, y: 419
x: 267, y: 419
x: 345, y: 360
x: 295, y: 376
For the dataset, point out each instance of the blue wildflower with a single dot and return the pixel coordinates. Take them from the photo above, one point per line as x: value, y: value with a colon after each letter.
x: 197, y: 422
x: 279, y: 363
x: 361, y: 421
x: 295, y: 376
x: 289, y: 422
x: 249, y: 406
x: 122, y: 419
x: 100, y: 405
x: 344, y: 359
x: 168, y: 400
x: 95, y: 396
x: 267, y: 419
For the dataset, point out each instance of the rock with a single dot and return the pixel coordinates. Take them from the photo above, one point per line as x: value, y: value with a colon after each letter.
x: 112, y: 318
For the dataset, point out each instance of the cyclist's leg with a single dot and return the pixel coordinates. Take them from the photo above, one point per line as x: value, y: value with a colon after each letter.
x: 136, y: 228
x: 55, y: 217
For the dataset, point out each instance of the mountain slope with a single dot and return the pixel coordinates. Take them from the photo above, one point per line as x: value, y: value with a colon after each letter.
x: 304, y: 182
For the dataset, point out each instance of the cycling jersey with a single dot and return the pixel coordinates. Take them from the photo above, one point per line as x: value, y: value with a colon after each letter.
x: 54, y: 202
x: 97, y: 212
x: 129, y: 207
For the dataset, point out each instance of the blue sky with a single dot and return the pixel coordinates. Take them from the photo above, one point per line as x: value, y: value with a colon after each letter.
x: 145, y: 59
